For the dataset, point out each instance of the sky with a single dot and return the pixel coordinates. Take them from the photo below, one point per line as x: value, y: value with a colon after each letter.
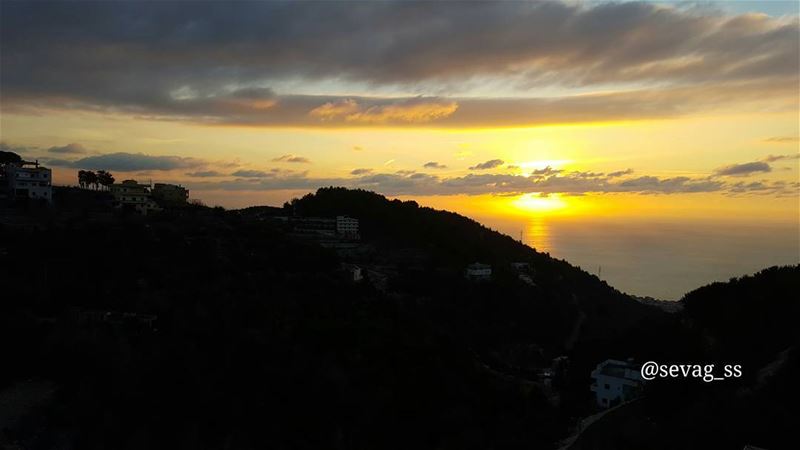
x: 675, y: 110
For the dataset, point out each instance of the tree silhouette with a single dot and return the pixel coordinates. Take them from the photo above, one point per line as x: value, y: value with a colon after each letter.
x: 91, y: 179
x: 83, y: 179
x: 9, y: 157
x: 105, y: 178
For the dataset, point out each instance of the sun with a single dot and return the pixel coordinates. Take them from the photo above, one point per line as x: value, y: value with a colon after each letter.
x: 539, y: 202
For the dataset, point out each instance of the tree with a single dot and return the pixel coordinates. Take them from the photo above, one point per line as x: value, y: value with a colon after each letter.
x: 9, y: 157
x: 91, y: 178
x: 105, y: 178
x: 82, y: 179
x: 87, y: 178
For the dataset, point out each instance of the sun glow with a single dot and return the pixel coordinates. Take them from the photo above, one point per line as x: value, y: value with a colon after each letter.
x: 537, y: 202
x: 542, y: 164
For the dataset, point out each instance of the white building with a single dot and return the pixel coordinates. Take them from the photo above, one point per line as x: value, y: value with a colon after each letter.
x: 133, y: 195
x: 354, y: 271
x: 616, y: 382
x: 347, y: 226
x: 24, y: 181
x: 478, y: 272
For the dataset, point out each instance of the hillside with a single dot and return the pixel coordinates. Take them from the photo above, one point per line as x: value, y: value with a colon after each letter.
x: 749, y: 321
x: 206, y: 328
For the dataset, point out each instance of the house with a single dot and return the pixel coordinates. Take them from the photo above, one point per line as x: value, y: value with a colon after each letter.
x: 478, y: 272
x: 615, y: 382
x: 347, y: 227
x: 170, y: 194
x: 314, y: 226
x: 130, y: 194
x: 520, y: 266
x: 24, y: 181
x: 353, y: 271
x: 342, y: 227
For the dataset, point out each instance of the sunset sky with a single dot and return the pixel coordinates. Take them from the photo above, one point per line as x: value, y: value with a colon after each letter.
x: 563, y: 109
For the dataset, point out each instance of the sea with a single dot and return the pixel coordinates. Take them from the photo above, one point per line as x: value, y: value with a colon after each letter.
x: 659, y: 259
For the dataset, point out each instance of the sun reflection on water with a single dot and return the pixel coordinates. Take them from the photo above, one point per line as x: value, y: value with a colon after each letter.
x: 537, y: 234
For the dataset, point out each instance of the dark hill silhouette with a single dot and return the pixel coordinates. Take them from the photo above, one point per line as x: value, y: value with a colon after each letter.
x: 452, y: 241
x: 205, y: 328
x: 751, y: 321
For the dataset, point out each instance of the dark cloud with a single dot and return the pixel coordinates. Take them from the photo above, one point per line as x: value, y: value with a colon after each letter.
x: 491, y: 164
x: 744, y: 169
x: 127, y: 162
x: 360, y: 171
x: 572, y: 184
x: 18, y: 149
x: 650, y: 184
x: 620, y: 173
x: 205, y: 174
x: 252, y: 174
x: 773, y: 158
x: 58, y: 162
x: 587, y: 174
x: 208, y: 62
x: 292, y: 159
x: 68, y: 149
x: 546, y: 171
x: 434, y: 165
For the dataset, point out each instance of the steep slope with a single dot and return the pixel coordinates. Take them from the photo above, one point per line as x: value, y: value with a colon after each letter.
x: 205, y: 328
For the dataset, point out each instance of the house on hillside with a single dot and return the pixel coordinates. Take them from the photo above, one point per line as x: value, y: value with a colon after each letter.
x: 170, y: 194
x: 478, y: 272
x: 131, y: 194
x: 347, y: 227
x: 353, y: 272
x: 26, y: 179
x: 341, y: 228
x: 615, y: 382
x: 520, y: 266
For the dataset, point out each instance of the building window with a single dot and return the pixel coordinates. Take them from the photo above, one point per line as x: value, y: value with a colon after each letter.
x: 608, y: 387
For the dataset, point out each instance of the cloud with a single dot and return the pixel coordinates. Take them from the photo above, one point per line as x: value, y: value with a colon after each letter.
x: 292, y: 159
x: 335, y: 110
x: 360, y: 171
x: 128, y: 162
x: 620, y: 173
x: 68, y: 149
x: 782, y: 139
x: 773, y: 158
x: 573, y: 184
x: 641, y: 60
x: 745, y: 169
x: 491, y: 164
x: 434, y: 165
x: 205, y: 174
x: 251, y: 174
x: 546, y: 171
x: 413, y: 110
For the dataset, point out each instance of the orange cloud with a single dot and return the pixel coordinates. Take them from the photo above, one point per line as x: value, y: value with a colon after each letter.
x: 416, y: 110
x: 334, y: 110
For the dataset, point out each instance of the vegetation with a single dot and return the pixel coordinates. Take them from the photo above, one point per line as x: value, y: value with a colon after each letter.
x: 262, y: 342
x: 9, y: 157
